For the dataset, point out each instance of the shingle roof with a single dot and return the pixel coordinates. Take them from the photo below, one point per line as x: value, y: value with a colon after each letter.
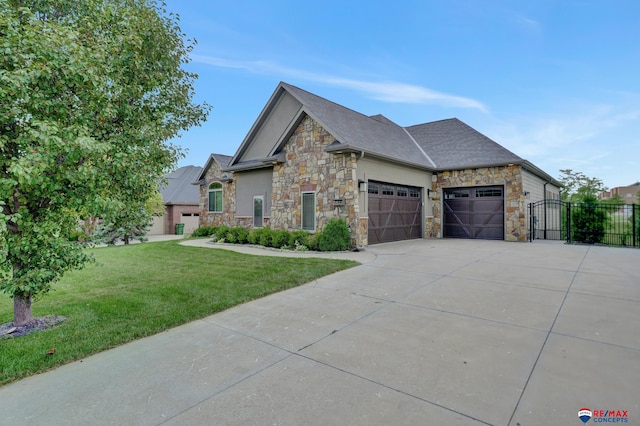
x: 438, y: 146
x: 452, y: 144
x: 377, y: 134
x: 222, y: 160
x: 178, y: 188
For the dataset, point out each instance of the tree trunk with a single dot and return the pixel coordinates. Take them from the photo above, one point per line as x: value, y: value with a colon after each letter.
x: 22, y: 311
x: 126, y: 239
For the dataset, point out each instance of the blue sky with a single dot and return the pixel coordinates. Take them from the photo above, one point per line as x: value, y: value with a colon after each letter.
x: 556, y: 82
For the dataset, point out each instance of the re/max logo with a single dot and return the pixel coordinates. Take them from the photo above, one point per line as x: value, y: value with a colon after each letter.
x: 610, y: 413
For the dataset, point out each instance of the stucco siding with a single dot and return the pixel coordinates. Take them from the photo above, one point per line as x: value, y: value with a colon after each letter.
x: 250, y: 184
x: 272, y: 129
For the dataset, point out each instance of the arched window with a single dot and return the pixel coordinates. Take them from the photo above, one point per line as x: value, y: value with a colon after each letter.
x: 215, y: 197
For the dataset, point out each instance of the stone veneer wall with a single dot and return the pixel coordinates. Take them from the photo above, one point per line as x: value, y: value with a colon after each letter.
x: 509, y: 176
x: 309, y: 168
x: 227, y: 216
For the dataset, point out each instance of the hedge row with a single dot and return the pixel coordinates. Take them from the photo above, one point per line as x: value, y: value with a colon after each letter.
x: 334, y: 237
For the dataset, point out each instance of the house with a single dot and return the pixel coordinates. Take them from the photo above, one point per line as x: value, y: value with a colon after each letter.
x: 181, y: 201
x: 629, y: 194
x: 306, y: 160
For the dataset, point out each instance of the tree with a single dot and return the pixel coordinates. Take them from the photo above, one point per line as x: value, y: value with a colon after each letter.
x: 129, y: 222
x: 578, y: 186
x: 90, y: 93
x: 589, y: 221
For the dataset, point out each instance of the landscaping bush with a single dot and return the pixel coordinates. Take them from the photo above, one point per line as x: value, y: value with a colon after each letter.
x: 589, y: 221
x: 221, y: 232
x: 240, y: 234
x: 266, y: 237
x: 280, y: 238
x: 298, y: 239
x: 335, y: 236
x: 314, y: 242
x: 230, y: 237
x: 204, y: 231
x: 260, y: 236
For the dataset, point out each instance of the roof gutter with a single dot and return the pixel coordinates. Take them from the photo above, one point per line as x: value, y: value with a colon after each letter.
x: 340, y: 148
x: 261, y: 163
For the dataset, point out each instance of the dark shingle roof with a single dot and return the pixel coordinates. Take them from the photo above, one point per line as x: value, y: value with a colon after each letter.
x: 452, y: 144
x: 376, y: 135
x: 438, y: 146
x: 222, y: 160
x: 178, y: 188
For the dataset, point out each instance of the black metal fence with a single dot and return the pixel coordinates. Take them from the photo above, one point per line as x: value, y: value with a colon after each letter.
x: 587, y: 223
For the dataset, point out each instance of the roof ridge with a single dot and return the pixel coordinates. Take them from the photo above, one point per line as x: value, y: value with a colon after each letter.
x: 282, y: 83
x: 419, y: 147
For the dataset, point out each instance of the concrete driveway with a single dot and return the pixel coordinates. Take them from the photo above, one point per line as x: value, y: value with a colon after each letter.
x: 429, y: 332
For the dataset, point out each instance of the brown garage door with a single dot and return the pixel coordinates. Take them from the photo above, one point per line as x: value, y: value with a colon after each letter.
x: 476, y: 212
x: 394, y: 212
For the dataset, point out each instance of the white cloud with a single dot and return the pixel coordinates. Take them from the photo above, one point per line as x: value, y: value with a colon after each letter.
x: 388, y: 91
x: 597, y: 139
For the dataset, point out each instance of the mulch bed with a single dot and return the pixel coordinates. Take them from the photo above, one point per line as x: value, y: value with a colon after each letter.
x: 9, y: 331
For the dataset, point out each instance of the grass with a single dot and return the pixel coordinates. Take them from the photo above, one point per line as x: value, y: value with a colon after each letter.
x: 139, y: 290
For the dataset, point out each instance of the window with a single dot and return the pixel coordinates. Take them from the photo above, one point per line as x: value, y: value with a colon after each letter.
x: 458, y: 193
x: 414, y: 193
x: 373, y: 188
x: 258, y: 211
x: 488, y: 193
x: 309, y: 211
x: 387, y: 190
x: 215, y: 197
x: 401, y: 191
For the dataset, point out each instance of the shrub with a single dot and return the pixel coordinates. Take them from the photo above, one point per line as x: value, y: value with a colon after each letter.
x: 240, y: 234
x: 230, y: 237
x: 280, y: 238
x: 203, y: 231
x: 335, y: 236
x: 313, y: 242
x: 266, y: 237
x: 299, y: 238
x: 589, y: 220
x: 254, y: 236
x: 221, y: 232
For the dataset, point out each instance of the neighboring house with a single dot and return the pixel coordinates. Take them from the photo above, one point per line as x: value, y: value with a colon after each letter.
x: 629, y: 194
x: 306, y: 160
x: 181, y: 200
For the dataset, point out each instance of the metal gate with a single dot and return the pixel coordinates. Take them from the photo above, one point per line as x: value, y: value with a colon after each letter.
x: 475, y: 212
x: 587, y: 223
x: 395, y: 212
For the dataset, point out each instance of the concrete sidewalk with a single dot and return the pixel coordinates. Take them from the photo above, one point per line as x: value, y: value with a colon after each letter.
x: 429, y: 332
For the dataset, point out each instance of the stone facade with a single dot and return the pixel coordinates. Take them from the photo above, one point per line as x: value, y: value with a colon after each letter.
x: 332, y: 177
x: 508, y: 176
x: 227, y: 216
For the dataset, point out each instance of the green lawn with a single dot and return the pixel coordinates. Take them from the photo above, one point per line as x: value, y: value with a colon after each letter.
x: 138, y: 290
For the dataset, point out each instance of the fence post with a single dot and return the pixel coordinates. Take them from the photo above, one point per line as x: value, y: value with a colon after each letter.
x: 530, y: 222
x: 569, y: 222
x: 634, y: 224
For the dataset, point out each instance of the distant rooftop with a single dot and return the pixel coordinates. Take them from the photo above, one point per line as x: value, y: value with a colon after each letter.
x: 179, y: 189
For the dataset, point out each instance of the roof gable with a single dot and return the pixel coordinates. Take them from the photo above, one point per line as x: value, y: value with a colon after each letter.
x: 222, y: 160
x: 375, y: 135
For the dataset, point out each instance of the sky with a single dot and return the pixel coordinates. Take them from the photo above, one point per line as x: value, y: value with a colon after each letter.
x: 555, y: 82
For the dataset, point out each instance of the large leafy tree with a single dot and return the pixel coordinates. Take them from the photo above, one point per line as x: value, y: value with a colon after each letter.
x: 578, y: 187
x: 91, y: 91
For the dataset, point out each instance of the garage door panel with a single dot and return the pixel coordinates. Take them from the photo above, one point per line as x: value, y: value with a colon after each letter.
x: 395, y: 212
x: 476, y: 212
